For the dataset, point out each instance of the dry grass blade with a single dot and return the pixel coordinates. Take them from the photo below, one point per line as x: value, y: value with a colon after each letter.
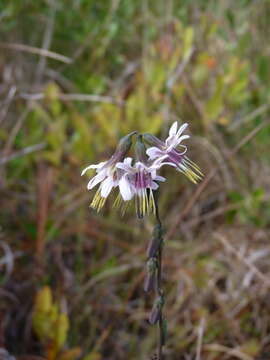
x: 230, y: 352
x: 37, y: 51
x: 75, y: 97
x: 7, y: 103
x: 27, y: 150
x: 222, y: 239
x: 200, y: 339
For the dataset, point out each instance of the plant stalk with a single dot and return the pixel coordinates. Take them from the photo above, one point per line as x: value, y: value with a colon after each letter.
x: 159, y: 285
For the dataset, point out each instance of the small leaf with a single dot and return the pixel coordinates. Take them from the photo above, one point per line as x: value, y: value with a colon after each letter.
x: 188, y: 41
x: 61, y: 328
x: 43, y: 301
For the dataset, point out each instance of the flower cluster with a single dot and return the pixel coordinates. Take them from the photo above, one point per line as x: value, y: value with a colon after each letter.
x: 137, y: 179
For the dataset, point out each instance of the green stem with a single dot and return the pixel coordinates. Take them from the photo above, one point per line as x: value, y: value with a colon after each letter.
x: 159, y: 286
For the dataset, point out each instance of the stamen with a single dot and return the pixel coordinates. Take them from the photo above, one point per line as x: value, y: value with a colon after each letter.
x: 118, y: 201
x: 98, y: 201
x: 195, y: 166
x: 152, y: 203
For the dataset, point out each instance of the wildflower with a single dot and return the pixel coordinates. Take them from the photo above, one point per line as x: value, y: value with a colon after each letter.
x: 174, y: 152
x: 139, y: 181
x: 107, y: 174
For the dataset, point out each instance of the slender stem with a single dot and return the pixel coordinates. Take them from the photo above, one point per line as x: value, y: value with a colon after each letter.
x: 159, y: 286
x: 160, y: 292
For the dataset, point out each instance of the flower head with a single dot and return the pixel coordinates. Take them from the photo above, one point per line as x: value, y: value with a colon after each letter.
x: 139, y: 181
x: 107, y: 174
x: 174, y: 152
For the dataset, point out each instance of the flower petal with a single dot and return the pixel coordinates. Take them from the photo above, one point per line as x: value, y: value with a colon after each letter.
x: 93, y: 166
x: 154, y: 152
x: 154, y: 185
x: 160, y: 178
x: 128, y: 161
x: 181, y: 129
x: 173, y: 129
x: 181, y: 138
x: 125, y: 165
x: 106, y: 187
x: 96, y: 180
x: 125, y: 188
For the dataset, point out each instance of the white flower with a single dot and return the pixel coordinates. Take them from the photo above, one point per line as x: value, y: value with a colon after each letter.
x: 139, y: 181
x: 107, y: 176
x: 174, y: 152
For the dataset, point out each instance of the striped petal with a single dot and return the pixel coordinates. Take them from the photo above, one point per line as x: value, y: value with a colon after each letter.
x: 154, y: 152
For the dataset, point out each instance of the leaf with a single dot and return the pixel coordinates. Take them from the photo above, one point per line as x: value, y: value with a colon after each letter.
x: 188, y: 41
x: 215, y: 105
x: 43, y: 302
x: 61, y: 330
x: 51, y: 98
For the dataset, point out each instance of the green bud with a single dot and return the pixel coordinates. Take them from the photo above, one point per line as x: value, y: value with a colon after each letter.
x: 153, y: 140
x: 156, y: 310
x: 125, y: 143
x: 140, y: 150
x: 122, y: 148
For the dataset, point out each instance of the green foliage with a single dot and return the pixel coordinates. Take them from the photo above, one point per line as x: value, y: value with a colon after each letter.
x: 204, y: 62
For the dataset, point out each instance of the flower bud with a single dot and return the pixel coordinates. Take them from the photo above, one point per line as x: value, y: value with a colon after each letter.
x: 156, y: 310
x: 140, y: 150
x: 122, y: 148
x: 153, y: 140
x: 156, y: 241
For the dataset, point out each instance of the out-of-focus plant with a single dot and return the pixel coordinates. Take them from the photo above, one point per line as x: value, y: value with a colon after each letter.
x: 51, y: 326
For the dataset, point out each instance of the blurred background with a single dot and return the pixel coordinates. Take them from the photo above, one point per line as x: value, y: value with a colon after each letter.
x: 76, y: 76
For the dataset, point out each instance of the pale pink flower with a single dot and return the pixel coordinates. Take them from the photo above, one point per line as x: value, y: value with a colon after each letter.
x: 174, y: 152
x: 107, y: 175
x: 139, y: 181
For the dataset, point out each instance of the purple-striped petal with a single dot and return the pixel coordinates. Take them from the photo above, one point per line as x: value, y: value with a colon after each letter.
x: 154, y: 152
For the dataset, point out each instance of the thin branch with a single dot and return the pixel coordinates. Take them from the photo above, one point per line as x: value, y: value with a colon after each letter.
x: 221, y: 238
x: 23, y: 152
x: 36, y: 51
x: 7, y: 102
x: 15, y: 130
x: 200, y: 338
x: 74, y: 97
x: 179, y: 70
x: 249, y: 117
x: 47, y: 39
